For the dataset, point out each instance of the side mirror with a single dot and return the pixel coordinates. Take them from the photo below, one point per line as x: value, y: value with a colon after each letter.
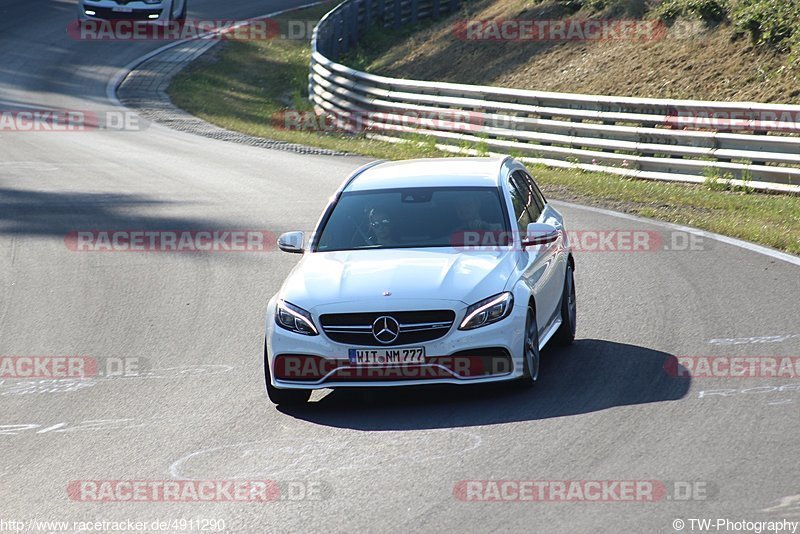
x: 540, y: 234
x: 291, y: 242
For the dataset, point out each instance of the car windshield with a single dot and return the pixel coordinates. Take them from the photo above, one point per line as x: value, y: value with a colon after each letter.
x: 411, y: 218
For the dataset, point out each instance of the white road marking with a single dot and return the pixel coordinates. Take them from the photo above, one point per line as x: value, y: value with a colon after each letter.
x: 67, y: 385
x: 290, y: 455
x: 788, y: 507
x: 88, y: 425
x: 29, y: 166
x: 716, y: 393
x: 756, y: 339
x: 758, y: 249
x: 37, y: 387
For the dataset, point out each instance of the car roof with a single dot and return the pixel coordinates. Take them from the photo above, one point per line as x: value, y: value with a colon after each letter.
x: 432, y: 172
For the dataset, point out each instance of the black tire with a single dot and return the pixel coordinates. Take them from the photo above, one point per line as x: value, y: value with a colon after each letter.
x: 180, y: 17
x: 530, y: 349
x: 286, y: 397
x: 565, y: 334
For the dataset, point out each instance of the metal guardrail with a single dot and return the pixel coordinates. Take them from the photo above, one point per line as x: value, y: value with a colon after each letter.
x: 756, y: 145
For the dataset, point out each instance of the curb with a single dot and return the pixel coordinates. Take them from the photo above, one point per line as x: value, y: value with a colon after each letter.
x: 142, y: 85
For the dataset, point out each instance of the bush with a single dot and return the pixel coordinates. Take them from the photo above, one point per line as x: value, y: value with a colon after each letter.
x: 771, y: 22
x: 599, y: 5
x: 767, y: 22
x: 711, y: 11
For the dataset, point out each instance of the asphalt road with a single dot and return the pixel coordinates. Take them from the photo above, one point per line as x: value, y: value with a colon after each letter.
x: 375, y: 461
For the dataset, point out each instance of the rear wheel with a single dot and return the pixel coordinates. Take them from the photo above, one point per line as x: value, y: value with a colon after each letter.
x: 287, y: 397
x: 569, y: 310
x: 531, y: 358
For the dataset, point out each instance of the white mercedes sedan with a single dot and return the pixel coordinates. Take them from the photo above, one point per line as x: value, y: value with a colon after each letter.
x: 429, y: 271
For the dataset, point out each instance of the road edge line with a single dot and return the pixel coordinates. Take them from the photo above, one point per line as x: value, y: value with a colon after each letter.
x: 747, y: 245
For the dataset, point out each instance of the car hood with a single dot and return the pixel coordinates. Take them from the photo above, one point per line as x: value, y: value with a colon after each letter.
x: 330, y: 278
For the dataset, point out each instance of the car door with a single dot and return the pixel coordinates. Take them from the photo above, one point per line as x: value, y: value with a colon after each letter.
x: 552, y: 217
x: 541, y: 265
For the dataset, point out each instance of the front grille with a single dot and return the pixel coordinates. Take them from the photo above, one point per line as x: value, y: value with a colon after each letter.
x: 415, y: 327
x: 137, y: 14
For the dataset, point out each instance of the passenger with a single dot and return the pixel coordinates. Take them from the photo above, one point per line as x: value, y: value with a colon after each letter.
x: 468, y: 212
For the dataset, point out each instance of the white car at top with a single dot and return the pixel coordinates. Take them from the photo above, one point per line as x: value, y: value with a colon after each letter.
x: 143, y: 10
x: 430, y: 271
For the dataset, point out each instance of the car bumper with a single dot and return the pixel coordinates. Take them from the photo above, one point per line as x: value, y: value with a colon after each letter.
x: 459, y: 357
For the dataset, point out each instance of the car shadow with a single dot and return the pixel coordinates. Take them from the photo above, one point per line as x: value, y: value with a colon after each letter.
x: 589, y: 376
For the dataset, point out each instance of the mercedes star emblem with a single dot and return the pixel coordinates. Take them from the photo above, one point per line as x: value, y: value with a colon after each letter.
x: 385, y: 329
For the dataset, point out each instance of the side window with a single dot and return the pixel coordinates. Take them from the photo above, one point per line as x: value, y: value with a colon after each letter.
x: 519, y: 199
x: 536, y: 202
x: 537, y: 193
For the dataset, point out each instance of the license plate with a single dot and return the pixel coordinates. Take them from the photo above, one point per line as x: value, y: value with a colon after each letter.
x: 386, y: 356
x: 122, y: 9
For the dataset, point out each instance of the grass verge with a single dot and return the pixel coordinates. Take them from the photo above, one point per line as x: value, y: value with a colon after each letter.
x: 244, y: 86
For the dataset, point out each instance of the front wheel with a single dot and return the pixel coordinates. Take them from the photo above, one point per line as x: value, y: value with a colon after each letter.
x: 531, y: 357
x: 181, y: 16
x: 569, y: 310
x: 286, y: 397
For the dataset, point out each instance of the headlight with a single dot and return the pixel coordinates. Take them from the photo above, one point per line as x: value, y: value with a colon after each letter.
x: 294, y: 318
x: 488, y: 311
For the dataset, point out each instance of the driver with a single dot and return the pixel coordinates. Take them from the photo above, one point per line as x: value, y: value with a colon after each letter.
x: 380, y: 228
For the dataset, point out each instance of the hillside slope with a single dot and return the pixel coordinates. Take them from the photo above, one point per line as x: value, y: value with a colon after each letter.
x: 692, y: 58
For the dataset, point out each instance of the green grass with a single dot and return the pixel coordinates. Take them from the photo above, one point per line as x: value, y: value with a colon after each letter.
x: 246, y: 86
x: 772, y: 220
x: 243, y: 85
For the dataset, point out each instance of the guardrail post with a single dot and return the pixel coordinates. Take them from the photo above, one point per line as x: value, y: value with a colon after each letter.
x: 414, y: 11
x: 435, y: 9
x: 346, y: 28
x: 367, y: 13
x: 382, y: 12
x: 310, y: 85
x: 336, y: 49
x: 344, y: 42
x: 398, y: 17
x: 353, y: 22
